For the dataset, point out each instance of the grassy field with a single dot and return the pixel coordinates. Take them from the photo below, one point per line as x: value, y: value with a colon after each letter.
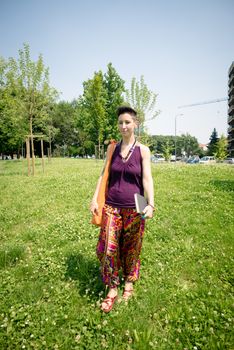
x: 50, y: 289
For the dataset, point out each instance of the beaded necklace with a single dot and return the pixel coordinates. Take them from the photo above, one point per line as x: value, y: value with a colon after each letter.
x: 129, y: 152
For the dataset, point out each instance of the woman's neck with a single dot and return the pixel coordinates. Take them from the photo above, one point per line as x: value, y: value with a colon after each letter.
x: 128, y: 141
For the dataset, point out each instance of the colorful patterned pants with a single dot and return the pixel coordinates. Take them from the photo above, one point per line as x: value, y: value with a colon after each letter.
x: 119, y: 244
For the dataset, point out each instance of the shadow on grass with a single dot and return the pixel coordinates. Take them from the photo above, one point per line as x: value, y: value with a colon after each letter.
x: 86, y: 272
x: 224, y: 185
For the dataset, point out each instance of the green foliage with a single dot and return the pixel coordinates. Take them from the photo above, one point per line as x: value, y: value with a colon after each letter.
x: 142, y: 100
x: 98, y: 104
x: 159, y: 142
x: 50, y: 296
x: 26, y: 98
x: 185, y: 144
x: 27, y: 105
x: 188, y: 144
x: 114, y: 86
x: 64, y: 124
x: 167, y: 149
x: 34, y: 84
x: 89, y: 147
x: 93, y: 108
x: 13, y: 125
x: 221, y: 149
x: 212, y: 146
x: 144, y: 138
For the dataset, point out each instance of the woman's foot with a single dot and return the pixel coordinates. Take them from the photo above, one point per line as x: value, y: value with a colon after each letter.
x: 108, y: 302
x: 128, y: 291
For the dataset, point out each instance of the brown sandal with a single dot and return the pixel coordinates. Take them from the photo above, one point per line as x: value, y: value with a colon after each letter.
x: 127, y: 294
x: 109, y: 301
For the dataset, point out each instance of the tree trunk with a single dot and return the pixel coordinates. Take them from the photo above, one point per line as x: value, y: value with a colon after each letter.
x: 28, y: 155
x: 32, y: 146
x: 42, y: 156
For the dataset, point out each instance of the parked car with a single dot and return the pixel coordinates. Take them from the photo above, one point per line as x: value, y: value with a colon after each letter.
x: 172, y: 159
x: 207, y: 160
x: 157, y: 158
x: 193, y: 160
x: 229, y: 160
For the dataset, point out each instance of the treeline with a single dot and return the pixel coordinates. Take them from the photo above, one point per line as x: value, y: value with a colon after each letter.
x: 29, y: 108
x: 186, y: 145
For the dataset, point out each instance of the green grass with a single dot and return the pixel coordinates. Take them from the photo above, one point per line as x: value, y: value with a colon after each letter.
x: 50, y: 289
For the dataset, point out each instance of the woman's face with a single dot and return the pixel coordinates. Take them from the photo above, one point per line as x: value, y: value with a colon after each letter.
x: 126, y: 124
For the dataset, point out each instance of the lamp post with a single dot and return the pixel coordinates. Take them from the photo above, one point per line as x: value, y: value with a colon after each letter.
x: 177, y: 115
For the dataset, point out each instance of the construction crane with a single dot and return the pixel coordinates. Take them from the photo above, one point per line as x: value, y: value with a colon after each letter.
x: 205, y: 102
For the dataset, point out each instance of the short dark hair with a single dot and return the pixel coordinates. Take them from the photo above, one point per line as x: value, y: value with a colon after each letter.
x: 126, y: 109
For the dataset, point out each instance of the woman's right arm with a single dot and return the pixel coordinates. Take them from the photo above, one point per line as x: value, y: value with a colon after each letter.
x: 94, y: 204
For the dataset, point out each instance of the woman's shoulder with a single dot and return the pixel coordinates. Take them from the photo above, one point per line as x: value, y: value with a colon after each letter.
x: 144, y: 149
x: 111, y: 148
x: 112, y: 145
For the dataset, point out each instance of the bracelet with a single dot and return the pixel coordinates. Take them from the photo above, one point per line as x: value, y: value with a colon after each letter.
x: 151, y: 206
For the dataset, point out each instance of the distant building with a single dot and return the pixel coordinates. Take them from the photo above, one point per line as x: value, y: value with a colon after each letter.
x: 203, y: 146
x: 231, y: 110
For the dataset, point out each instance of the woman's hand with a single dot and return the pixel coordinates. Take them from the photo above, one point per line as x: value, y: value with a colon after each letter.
x: 94, y: 207
x: 148, y: 212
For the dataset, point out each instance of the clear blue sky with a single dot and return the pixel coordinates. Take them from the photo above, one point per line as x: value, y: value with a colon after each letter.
x: 183, y: 48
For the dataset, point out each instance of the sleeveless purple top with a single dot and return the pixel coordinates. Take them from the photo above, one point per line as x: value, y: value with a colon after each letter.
x: 125, y: 179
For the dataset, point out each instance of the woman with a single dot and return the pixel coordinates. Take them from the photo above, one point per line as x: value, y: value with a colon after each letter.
x: 122, y: 230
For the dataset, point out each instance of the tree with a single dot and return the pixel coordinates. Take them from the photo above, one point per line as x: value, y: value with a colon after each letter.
x: 12, y: 122
x: 142, y: 100
x: 221, y: 149
x: 212, y: 146
x: 63, y: 121
x: 167, y: 150
x: 36, y: 94
x: 114, y: 86
x: 93, y: 114
x: 185, y: 144
x: 27, y: 97
x: 101, y: 97
x: 159, y: 142
x: 188, y: 145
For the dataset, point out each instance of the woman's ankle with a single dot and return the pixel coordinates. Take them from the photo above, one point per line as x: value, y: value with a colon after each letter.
x: 128, y: 285
x: 113, y: 291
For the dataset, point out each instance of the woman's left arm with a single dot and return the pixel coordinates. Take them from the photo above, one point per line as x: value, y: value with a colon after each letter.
x: 147, y: 182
